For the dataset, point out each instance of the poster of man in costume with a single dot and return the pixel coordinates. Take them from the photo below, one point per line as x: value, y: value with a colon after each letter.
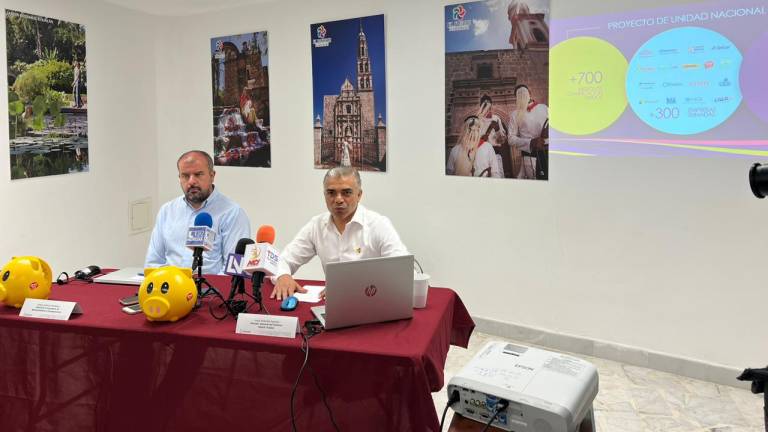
x: 496, y: 92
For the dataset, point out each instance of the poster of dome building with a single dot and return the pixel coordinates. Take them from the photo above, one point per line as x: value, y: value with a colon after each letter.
x: 349, y: 93
x: 47, y: 95
x: 240, y: 86
x: 497, y: 89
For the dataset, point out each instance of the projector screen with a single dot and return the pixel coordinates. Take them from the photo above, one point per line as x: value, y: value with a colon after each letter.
x: 679, y: 81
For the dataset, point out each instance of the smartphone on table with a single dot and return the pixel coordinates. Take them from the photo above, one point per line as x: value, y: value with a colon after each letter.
x: 130, y: 300
x: 132, y: 309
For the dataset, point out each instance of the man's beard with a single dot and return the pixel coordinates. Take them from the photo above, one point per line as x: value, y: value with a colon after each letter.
x: 196, y: 195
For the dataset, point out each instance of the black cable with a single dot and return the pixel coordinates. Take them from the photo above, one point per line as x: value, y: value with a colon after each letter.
x: 63, y: 278
x: 296, y: 384
x: 500, y: 406
x: 322, y: 396
x: 312, y: 330
x: 455, y: 397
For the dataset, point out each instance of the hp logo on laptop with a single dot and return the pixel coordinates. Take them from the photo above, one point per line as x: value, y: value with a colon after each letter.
x: 370, y: 290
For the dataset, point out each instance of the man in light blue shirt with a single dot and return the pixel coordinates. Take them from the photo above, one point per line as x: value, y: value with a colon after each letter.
x: 167, y: 244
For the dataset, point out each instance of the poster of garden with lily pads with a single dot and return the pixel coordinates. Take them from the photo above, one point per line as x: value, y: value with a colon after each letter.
x: 47, y: 95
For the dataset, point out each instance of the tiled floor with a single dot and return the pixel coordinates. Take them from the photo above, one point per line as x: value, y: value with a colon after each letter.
x: 636, y: 399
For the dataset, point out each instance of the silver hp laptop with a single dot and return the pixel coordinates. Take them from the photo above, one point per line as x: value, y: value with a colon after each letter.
x: 367, y: 291
x: 126, y: 276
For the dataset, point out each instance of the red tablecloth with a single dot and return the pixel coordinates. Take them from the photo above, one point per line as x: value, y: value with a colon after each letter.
x: 109, y: 371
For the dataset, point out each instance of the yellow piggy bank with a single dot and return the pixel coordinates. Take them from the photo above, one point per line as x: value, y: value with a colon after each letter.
x: 25, y: 277
x: 167, y: 293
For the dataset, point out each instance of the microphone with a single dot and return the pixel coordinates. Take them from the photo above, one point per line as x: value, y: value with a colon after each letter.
x: 234, y: 267
x: 200, y: 238
x: 261, y: 258
x: 265, y: 234
x: 87, y: 273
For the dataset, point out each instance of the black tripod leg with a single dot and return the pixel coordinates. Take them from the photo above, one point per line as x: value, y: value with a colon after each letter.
x: 765, y: 410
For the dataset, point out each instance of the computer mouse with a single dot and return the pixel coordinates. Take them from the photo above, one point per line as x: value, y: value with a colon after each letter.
x: 289, y: 303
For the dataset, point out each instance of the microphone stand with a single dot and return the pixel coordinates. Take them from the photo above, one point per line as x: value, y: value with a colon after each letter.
x: 200, y: 281
x: 256, y: 280
x: 236, y: 307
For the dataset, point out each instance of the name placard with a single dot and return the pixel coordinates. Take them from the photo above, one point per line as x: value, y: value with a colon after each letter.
x: 49, y: 309
x: 267, y: 325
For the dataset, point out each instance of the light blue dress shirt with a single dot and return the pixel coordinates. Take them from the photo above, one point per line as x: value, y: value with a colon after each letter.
x: 167, y: 244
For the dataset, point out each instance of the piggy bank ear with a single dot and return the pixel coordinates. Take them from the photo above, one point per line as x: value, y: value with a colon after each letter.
x: 46, y: 269
x: 187, y: 272
x: 148, y: 270
x: 35, y: 264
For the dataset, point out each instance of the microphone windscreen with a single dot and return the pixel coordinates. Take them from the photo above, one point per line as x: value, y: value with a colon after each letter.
x: 265, y: 234
x: 241, y: 244
x: 204, y: 219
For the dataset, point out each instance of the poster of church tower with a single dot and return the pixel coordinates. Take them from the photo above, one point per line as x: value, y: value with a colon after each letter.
x: 496, y: 89
x: 240, y: 86
x: 349, y: 93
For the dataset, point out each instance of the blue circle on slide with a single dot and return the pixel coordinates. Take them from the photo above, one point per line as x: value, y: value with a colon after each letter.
x: 685, y: 80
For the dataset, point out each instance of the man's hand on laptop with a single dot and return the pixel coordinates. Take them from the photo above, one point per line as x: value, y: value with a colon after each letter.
x: 285, y: 287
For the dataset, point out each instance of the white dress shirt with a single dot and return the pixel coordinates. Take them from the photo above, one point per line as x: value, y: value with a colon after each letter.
x: 367, y: 235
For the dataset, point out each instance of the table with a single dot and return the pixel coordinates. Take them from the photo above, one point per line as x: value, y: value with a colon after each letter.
x: 109, y: 371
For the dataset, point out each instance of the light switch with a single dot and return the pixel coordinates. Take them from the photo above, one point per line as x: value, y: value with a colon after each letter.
x: 140, y: 215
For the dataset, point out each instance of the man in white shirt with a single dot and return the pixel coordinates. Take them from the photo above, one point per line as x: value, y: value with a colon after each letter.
x: 346, y: 232
x: 527, y: 130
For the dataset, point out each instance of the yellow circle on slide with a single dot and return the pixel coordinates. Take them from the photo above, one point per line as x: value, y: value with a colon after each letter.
x: 587, y: 78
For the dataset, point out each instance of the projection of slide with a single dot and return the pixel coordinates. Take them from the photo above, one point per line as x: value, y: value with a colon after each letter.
x: 753, y: 72
x: 683, y: 70
x: 685, y: 80
x: 587, y: 81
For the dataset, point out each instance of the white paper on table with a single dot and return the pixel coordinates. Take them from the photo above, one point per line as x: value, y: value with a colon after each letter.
x: 311, y: 296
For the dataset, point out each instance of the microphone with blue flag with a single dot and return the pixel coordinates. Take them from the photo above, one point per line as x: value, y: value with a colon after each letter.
x: 200, y: 237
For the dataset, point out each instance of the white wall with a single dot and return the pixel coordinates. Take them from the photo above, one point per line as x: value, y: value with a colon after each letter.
x: 80, y: 219
x: 665, y: 255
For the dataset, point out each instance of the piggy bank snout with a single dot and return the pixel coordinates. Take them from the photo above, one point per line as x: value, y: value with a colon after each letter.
x: 156, y: 307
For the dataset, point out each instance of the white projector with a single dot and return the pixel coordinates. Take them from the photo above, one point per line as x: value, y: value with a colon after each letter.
x: 546, y: 391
